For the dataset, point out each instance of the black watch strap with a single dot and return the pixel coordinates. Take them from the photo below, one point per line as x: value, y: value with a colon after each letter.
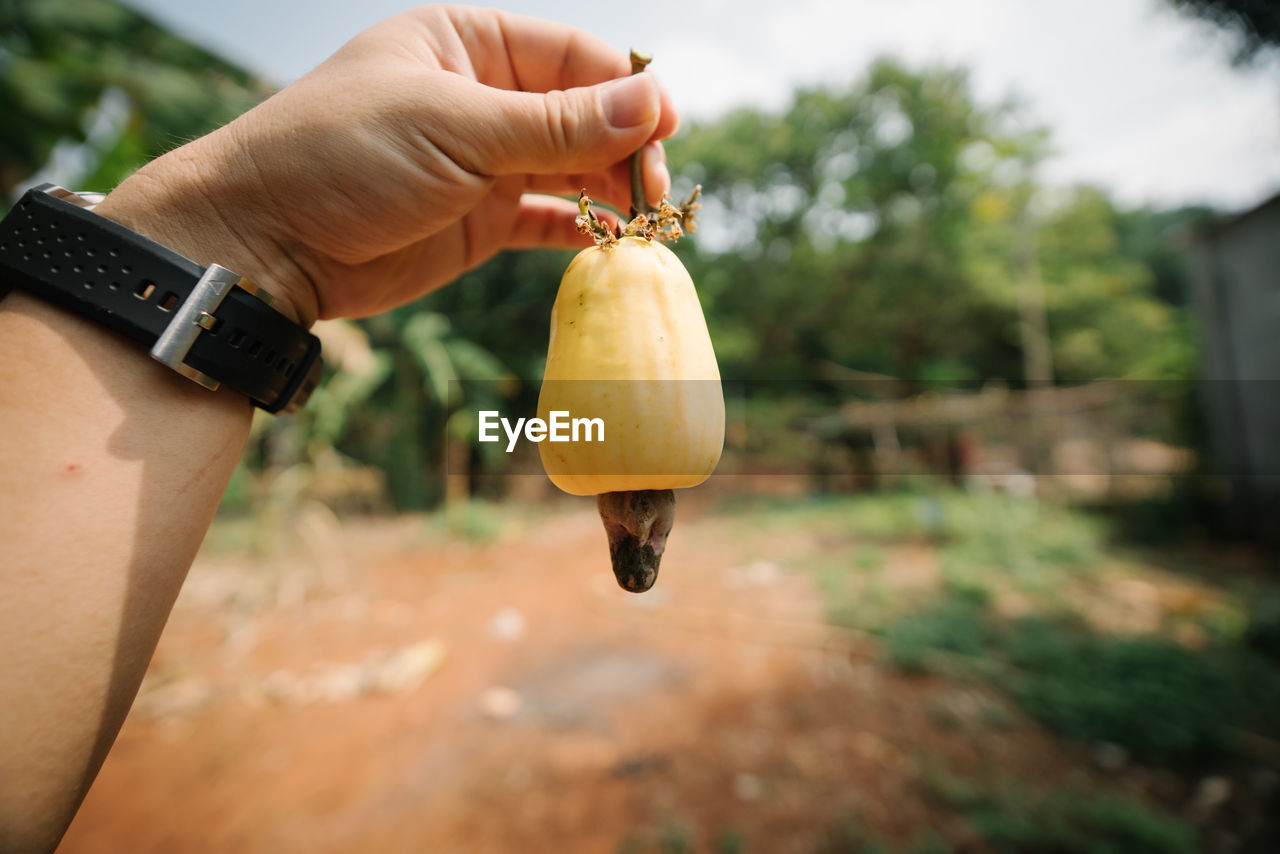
x: 211, y: 326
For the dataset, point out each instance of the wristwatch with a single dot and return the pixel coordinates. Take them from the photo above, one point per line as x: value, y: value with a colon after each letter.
x: 210, y: 325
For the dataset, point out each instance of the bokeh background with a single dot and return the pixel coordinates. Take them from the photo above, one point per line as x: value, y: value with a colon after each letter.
x: 989, y: 564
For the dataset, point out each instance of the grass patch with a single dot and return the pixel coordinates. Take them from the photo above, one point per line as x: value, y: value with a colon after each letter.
x: 1158, y: 699
x: 1069, y: 822
x: 985, y: 542
x: 954, y: 623
x: 475, y: 521
x: 1146, y: 694
x: 1010, y: 816
x: 1149, y: 695
x: 995, y: 539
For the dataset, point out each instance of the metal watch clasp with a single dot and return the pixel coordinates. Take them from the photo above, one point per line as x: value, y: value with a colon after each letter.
x: 196, y: 315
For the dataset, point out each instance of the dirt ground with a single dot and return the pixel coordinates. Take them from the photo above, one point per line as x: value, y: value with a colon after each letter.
x: 405, y: 692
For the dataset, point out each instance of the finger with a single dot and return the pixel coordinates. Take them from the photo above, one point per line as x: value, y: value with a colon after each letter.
x: 559, y: 132
x: 546, y: 221
x: 511, y: 51
x: 657, y: 180
x: 603, y: 187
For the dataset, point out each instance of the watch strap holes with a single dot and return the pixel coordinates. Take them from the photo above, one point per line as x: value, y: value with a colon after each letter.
x: 236, y: 339
x: 270, y: 357
x: 254, y: 347
x: 145, y: 290
x: 168, y: 301
x: 289, y: 368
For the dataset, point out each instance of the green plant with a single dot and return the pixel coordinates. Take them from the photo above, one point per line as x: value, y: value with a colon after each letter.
x: 1149, y: 695
x: 475, y: 521
x: 1067, y: 822
x: 993, y: 538
x: 953, y: 623
x: 846, y: 836
x: 731, y: 841
x: 1146, y: 694
x: 675, y: 837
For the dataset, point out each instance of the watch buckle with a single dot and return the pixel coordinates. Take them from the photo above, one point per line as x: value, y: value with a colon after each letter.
x: 194, y: 316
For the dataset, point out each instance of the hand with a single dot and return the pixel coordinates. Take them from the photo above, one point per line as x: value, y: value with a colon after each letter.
x: 421, y: 148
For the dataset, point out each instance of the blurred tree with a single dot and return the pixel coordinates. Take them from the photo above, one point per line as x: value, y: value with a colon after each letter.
x: 850, y: 226
x: 896, y: 227
x: 97, y: 73
x: 1158, y: 239
x: 1255, y: 23
x: 435, y: 373
x: 1106, y: 316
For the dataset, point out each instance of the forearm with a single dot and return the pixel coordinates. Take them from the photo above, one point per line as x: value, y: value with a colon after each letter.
x: 110, y: 470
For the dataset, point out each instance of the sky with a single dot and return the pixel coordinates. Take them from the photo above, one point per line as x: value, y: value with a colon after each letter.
x: 1140, y: 99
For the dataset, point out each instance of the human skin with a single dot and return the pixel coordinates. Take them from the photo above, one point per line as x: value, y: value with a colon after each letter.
x: 422, y: 147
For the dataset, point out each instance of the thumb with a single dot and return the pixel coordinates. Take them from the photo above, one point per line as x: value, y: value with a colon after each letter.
x: 573, y: 130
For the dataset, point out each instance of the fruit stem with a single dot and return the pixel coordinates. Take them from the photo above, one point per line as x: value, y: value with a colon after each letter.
x: 638, y: 204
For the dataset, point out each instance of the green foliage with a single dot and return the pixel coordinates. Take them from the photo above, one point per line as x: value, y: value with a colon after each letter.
x: 475, y: 521
x: 1149, y: 695
x: 847, y: 836
x: 60, y: 58
x: 1067, y: 822
x: 1146, y: 694
x: 1012, y: 817
x: 731, y: 841
x: 675, y: 837
x: 1107, y: 320
x: 996, y: 539
x: 1154, y: 697
x: 1009, y: 815
x: 856, y: 197
x: 954, y: 623
x: 899, y: 206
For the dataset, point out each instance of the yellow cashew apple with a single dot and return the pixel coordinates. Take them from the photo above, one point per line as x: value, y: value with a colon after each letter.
x: 629, y: 346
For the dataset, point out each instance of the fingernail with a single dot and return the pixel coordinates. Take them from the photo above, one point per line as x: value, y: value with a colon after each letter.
x: 630, y: 102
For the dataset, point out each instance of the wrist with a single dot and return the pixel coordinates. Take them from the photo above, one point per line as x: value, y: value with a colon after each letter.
x: 173, y: 201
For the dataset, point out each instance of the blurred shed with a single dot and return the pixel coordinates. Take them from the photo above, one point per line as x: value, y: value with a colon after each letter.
x: 1236, y: 298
